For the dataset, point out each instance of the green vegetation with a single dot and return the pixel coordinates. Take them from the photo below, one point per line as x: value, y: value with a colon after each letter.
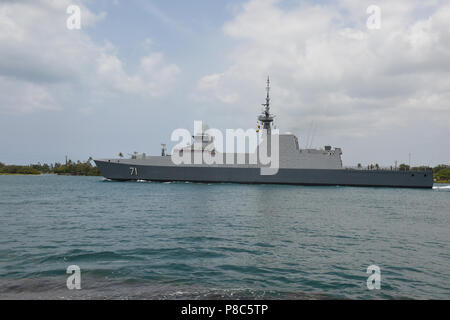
x: 17, y: 170
x: 70, y: 168
x: 440, y: 167
x: 443, y: 175
x: 77, y: 169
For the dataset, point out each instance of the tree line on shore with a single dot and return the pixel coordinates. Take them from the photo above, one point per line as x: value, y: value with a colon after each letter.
x: 77, y: 168
x: 442, y: 173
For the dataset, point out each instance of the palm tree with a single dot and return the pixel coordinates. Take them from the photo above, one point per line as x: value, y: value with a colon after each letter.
x: 359, y: 166
x: 121, y: 154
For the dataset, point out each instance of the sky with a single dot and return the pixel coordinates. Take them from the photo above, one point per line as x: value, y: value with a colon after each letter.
x: 138, y: 69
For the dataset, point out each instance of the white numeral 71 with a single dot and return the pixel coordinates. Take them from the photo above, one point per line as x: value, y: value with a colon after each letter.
x: 133, y: 171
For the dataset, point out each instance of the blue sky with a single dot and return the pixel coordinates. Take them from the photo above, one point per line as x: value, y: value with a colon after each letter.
x: 139, y: 69
x: 187, y: 31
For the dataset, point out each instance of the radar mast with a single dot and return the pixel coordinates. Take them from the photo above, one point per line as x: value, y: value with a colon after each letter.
x: 265, y: 117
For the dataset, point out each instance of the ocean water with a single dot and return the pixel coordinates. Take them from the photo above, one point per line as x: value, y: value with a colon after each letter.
x: 148, y: 240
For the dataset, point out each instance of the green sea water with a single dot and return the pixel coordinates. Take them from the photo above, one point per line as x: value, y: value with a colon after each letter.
x: 144, y: 240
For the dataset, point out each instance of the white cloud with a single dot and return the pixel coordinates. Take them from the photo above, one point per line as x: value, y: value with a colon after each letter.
x: 212, y: 83
x: 24, y: 97
x: 152, y: 79
x: 327, y: 67
x: 39, y: 56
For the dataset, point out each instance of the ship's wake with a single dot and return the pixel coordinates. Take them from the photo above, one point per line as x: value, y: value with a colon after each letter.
x: 441, y: 187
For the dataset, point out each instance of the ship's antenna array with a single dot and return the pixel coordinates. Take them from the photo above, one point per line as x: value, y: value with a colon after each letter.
x: 265, y: 117
x: 267, y: 104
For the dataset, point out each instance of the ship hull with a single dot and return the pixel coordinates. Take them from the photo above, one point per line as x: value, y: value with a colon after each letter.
x: 318, y: 177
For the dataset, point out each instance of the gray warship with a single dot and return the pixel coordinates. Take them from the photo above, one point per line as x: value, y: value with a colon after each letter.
x: 295, y: 166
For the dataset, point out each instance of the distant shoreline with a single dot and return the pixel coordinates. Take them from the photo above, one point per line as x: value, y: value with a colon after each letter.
x: 70, y: 168
x: 19, y: 174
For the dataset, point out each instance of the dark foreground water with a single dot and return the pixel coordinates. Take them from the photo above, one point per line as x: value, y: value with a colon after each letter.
x: 206, y: 241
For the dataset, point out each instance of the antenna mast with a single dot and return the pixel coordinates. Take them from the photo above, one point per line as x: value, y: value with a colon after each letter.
x: 265, y: 117
x: 267, y: 104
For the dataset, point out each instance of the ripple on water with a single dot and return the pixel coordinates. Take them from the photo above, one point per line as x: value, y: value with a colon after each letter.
x: 189, y: 240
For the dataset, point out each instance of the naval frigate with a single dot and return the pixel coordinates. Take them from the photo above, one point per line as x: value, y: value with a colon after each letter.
x: 296, y: 166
